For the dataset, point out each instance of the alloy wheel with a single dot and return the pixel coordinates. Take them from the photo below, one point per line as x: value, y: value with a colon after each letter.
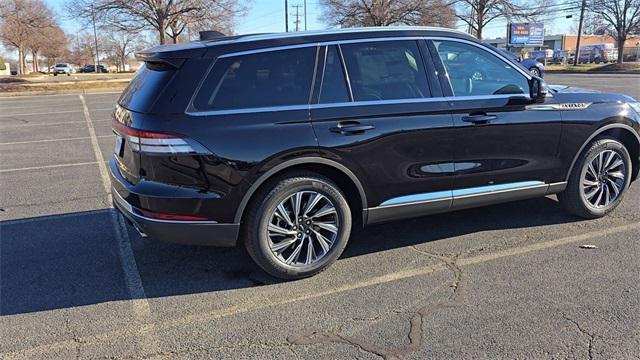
x: 604, y: 179
x: 303, y: 228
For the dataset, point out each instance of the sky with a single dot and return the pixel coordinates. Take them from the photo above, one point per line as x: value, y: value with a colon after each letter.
x: 268, y: 16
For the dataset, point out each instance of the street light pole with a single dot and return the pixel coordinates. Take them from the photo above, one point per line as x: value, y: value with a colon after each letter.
x: 286, y: 16
x: 577, y: 56
x: 305, y: 15
x: 95, y: 39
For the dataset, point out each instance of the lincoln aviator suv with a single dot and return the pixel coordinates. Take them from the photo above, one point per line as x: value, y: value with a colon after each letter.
x: 285, y: 142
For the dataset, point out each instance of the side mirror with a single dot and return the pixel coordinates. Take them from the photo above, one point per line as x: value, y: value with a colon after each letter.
x: 538, y: 89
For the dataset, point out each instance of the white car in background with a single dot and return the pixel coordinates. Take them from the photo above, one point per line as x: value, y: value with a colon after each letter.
x: 62, y: 68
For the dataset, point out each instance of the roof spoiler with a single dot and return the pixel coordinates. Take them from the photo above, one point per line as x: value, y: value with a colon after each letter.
x: 210, y: 35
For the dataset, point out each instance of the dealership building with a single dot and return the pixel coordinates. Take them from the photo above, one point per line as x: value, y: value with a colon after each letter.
x: 568, y: 42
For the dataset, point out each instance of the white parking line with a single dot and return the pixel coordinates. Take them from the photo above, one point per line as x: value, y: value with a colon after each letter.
x: 139, y: 303
x: 52, y: 140
x: 53, y: 112
x: 49, y: 124
x: 49, y: 166
x: 259, y: 302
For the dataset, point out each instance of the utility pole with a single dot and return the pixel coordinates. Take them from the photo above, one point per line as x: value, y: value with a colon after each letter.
x: 297, y: 22
x: 286, y: 16
x: 577, y: 56
x: 305, y: 15
x: 95, y: 39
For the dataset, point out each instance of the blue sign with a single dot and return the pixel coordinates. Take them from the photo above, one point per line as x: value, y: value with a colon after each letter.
x: 526, y: 34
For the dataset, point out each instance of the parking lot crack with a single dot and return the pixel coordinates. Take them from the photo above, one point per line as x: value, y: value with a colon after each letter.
x: 416, y: 333
x: 78, y: 342
x: 583, y: 331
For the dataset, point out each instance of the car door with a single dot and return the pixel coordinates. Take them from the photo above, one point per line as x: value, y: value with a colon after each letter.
x: 379, y: 110
x: 503, y: 142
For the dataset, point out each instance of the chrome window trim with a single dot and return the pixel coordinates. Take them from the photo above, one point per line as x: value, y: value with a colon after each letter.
x: 447, y: 195
x: 353, y: 104
x: 193, y: 112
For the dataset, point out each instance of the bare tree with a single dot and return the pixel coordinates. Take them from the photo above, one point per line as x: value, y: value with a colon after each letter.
x: 137, y: 15
x: 352, y: 13
x: 20, y: 22
x: 122, y: 44
x: 477, y: 14
x: 220, y: 15
x: 55, y: 47
x: 622, y: 18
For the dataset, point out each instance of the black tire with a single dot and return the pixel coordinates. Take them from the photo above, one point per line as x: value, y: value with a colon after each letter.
x: 573, y: 198
x: 262, y: 208
x: 55, y: 74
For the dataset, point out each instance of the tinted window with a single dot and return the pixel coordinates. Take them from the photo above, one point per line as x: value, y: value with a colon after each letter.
x: 385, y: 70
x: 145, y: 88
x: 334, y: 86
x: 274, y: 78
x: 474, y: 71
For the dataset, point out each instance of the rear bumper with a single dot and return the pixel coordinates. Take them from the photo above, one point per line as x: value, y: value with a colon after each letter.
x: 203, y: 233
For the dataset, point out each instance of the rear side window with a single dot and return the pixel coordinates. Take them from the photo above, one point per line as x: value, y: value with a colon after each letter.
x: 334, y: 85
x: 385, y: 70
x: 265, y: 79
x: 145, y: 87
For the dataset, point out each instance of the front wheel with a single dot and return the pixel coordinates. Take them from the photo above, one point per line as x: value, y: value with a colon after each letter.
x: 535, y: 71
x: 298, y: 226
x: 599, y: 179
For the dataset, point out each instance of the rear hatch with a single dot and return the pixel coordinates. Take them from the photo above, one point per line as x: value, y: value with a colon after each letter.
x: 159, y: 88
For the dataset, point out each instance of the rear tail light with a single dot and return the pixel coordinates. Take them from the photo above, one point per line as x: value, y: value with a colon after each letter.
x: 149, y: 142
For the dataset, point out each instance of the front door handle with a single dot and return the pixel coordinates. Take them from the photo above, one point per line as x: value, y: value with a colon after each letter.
x: 479, y: 118
x: 351, y: 128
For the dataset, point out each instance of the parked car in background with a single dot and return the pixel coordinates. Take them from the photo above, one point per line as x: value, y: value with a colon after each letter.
x: 598, y: 53
x: 92, y: 69
x: 560, y: 57
x: 533, y: 66
x: 284, y: 142
x: 62, y: 68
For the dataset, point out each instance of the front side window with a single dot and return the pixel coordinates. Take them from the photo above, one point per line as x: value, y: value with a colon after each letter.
x: 385, y: 70
x: 473, y: 71
x: 265, y: 79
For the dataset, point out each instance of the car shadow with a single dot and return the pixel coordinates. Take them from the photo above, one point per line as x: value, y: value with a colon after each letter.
x: 71, y: 260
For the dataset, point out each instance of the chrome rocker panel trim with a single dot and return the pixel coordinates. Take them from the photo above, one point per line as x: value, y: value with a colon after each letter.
x: 443, y: 201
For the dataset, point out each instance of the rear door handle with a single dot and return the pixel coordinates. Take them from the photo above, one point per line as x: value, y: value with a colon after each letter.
x: 351, y: 128
x: 479, y: 119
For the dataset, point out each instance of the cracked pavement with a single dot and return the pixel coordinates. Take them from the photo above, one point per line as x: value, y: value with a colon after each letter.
x: 503, y: 282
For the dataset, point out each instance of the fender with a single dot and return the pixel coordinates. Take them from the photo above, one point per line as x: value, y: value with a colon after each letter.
x: 290, y: 163
x: 596, y: 133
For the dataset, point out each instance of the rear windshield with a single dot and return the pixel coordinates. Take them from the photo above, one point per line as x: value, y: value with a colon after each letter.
x: 145, y: 87
x: 274, y: 78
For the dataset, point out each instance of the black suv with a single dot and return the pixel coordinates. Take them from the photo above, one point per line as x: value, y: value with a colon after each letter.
x: 283, y: 142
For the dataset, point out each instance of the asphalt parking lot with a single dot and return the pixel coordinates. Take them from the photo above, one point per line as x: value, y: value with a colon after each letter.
x: 506, y: 281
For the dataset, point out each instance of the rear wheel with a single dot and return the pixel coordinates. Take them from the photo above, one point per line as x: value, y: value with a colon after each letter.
x: 599, y: 179
x: 297, y: 226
